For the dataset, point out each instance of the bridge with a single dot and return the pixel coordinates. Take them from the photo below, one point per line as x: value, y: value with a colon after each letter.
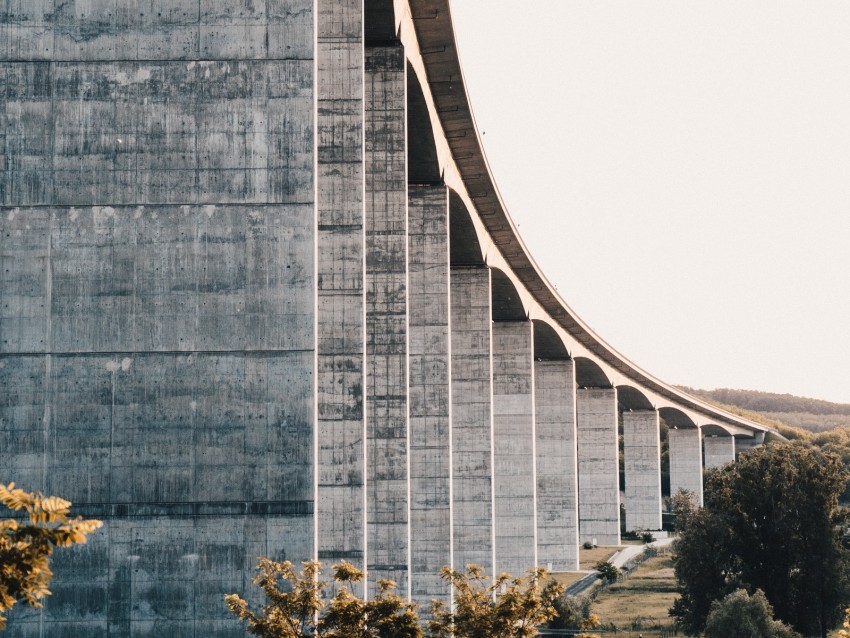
x: 260, y: 296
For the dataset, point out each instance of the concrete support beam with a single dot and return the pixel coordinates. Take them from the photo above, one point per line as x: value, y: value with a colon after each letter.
x: 642, y: 458
x: 745, y: 444
x: 386, y: 316
x: 514, y: 478
x: 472, y: 418
x: 598, y: 466
x: 557, y: 478
x: 430, y: 397
x: 686, y: 461
x: 340, y: 186
x: 719, y: 450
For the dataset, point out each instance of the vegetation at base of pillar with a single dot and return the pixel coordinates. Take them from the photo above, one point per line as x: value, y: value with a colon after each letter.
x: 296, y: 605
x: 26, y: 546
x: 771, y: 521
x: 521, y: 605
x: 740, y: 615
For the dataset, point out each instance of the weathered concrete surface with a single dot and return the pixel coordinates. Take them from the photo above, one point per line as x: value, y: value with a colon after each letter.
x: 430, y: 396
x: 598, y: 471
x: 743, y: 444
x: 686, y: 461
x: 557, y: 480
x: 719, y: 450
x: 642, y: 460
x: 514, y: 478
x: 386, y: 316
x: 157, y: 293
x: 472, y: 418
x: 341, y: 427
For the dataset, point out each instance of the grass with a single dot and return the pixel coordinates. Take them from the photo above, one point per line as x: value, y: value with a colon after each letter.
x: 644, y: 597
x: 588, y: 558
x: 566, y: 578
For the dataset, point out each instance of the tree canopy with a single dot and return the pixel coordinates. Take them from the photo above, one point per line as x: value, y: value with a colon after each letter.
x: 26, y: 545
x: 771, y: 521
x: 740, y: 615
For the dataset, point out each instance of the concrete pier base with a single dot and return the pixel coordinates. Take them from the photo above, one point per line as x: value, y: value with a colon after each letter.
x: 598, y: 466
x: 557, y: 479
x: 642, y: 458
x: 719, y: 450
x: 686, y: 461
x: 513, y: 443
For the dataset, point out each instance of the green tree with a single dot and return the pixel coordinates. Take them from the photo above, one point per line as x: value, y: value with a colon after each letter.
x: 771, y: 521
x: 296, y: 605
x: 608, y: 571
x: 740, y: 615
x: 506, y: 608
x: 26, y: 547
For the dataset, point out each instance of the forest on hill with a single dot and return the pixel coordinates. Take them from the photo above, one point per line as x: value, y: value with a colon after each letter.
x: 814, y: 415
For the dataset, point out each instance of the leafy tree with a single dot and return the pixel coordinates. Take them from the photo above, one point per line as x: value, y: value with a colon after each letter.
x: 26, y: 547
x: 608, y: 571
x: 506, y: 608
x: 740, y: 615
x: 296, y: 602
x: 771, y: 521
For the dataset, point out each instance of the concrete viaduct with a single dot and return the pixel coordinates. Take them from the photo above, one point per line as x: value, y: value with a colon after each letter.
x: 259, y: 295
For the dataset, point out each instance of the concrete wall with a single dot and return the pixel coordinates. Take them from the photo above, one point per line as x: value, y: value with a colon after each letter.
x: 430, y: 398
x: 157, y: 284
x: 341, y: 425
x: 557, y: 480
x: 472, y: 418
x: 686, y: 461
x: 719, y: 450
x: 642, y: 460
x: 386, y: 316
x: 598, y: 466
x: 514, y: 478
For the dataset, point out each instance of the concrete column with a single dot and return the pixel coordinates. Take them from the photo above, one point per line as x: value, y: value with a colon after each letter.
x: 598, y: 466
x: 642, y: 457
x: 744, y: 444
x: 513, y: 444
x: 472, y: 418
x: 430, y: 398
x: 557, y: 479
x: 386, y: 316
x: 686, y: 460
x: 719, y: 450
x: 340, y: 185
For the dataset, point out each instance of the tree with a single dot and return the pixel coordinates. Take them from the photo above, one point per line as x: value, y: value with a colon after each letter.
x: 740, y: 615
x: 296, y: 602
x: 26, y: 547
x: 506, y: 608
x: 771, y: 521
x: 608, y: 571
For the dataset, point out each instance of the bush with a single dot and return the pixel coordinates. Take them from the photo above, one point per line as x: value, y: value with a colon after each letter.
x: 588, y: 545
x: 607, y: 571
x: 647, y: 537
x: 740, y: 615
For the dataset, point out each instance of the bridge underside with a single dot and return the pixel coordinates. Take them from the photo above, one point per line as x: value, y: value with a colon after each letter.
x: 259, y: 297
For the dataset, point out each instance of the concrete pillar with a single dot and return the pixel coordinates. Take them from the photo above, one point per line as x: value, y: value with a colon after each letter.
x: 557, y: 479
x: 430, y: 398
x: 472, y: 418
x: 642, y: 458
x: 686, y: 461
x: 598, y: 466
x: 719, y: 450
x: 513, y: 444
x: 386, y: 316
x: 340, y: 186
x: 745, y: 444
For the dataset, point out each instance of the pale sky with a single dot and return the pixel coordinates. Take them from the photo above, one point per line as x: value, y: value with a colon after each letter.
x: 681, y: 171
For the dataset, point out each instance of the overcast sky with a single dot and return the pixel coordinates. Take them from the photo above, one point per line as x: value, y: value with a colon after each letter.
x: 681, y: 171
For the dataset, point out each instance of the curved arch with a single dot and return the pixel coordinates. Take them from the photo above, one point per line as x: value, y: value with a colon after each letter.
x: 675, y: 418
x: 548, y: 345
x: 590, y: 375
x: 630, y: 398
x: 463, y: 238
x: 716, y: 429
x: 423, y: 167
x: 507, y: 304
